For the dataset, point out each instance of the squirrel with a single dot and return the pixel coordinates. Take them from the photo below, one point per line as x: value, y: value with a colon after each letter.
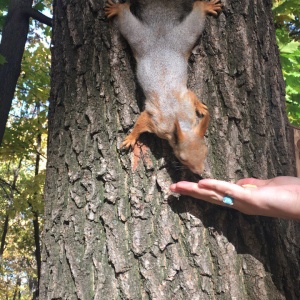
x: 162, y: 34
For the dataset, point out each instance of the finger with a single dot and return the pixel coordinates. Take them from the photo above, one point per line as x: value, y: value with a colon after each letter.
x: 225, y: 188
x: 192, y: 189
x: 185, y: 188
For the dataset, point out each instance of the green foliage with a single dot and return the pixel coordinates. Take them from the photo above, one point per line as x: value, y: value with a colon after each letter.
x: 286, y: 15
x: 3, y: 10
x: 18, y: 260
x: 21, y: 179
x: 39, y: 5
x: 2, y: 60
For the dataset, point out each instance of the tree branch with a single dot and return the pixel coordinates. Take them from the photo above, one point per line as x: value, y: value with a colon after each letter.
x: 3, y: 183
x: 35, y: 14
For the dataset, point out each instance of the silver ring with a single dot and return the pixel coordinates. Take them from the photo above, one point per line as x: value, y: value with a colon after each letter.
x: 228, y: 200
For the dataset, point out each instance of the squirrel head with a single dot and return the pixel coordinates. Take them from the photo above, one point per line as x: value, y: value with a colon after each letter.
x: 189, y: 147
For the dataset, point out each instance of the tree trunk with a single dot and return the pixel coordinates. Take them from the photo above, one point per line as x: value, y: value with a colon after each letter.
x: 12, y: 46
x: 112, y: 228
x: 17, y: 288
x: 3, y: 236
x: 35, y: 220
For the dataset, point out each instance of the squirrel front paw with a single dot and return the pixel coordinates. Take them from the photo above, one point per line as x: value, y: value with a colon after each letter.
x: 129, y: 141
x: 111, y: 9
x: 213, y: 7
x: 201, y: 108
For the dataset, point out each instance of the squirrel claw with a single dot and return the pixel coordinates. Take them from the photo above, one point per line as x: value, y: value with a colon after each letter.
x: 129, y: 142
x: 111, y: 9
x: 213, y: 7
x: 202, y: 108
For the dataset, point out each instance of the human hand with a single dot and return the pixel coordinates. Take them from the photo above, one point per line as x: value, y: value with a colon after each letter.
x: 277, y: 197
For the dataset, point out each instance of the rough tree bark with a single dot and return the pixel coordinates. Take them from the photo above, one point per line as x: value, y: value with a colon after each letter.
x: 112, y: 229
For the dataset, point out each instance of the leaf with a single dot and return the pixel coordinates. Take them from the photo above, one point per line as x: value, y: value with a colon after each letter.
x: 39, y: 6
x: 286, y: 16
x: 291, y: 47
x: 2, y: 60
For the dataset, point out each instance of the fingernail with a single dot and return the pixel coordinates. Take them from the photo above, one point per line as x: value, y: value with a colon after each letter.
x: 173, y: 187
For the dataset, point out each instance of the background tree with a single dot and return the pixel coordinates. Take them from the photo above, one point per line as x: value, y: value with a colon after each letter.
x: 112, y: 228
x: 14, y: 36
x: 22, y: 170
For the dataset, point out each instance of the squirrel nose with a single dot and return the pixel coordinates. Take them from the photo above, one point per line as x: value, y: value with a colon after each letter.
x: 197, y: 171
x: 198, y: 176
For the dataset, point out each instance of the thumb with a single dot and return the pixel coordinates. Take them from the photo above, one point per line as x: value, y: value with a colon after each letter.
x: 252, y: 181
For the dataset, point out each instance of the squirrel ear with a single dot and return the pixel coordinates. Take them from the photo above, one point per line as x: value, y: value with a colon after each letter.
x: 178, y: 134
x: 202, y: 126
